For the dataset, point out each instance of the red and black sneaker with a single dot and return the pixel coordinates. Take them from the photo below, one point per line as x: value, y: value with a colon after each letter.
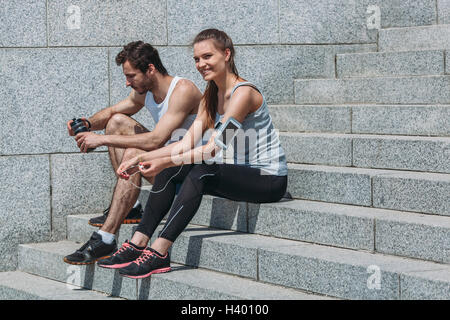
x: 126, y: 254
x: 149, y: 262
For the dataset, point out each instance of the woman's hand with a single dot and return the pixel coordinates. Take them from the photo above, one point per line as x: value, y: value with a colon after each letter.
x: 151, y: 168
x: 125, y: 168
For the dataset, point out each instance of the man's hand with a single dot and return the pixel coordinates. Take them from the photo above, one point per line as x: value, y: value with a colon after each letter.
x: 69, y: 128
x: 88, y: 140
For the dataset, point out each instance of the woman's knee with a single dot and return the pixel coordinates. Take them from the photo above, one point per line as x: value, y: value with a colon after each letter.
x: 203, y: 170
x: 165, y: 175
x: 278, y: 188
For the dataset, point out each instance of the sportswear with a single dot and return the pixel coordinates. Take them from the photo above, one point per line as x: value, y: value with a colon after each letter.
x: 94, y: 249
x: 126, y: 254
x: 148, y: 263
x: 257, y: 144
x: 157, y: 110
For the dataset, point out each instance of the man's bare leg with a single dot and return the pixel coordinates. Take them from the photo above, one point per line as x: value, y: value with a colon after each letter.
x: 123, y: 125
x: 125, y: 194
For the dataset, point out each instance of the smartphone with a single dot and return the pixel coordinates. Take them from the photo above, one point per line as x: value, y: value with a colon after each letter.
x: 226, y: 132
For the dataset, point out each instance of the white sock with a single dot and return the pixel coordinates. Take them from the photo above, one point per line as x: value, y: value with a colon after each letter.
x: 107, y: 237
x: 136, y: 204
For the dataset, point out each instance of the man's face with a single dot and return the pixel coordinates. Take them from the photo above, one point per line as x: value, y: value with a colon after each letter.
x: 135, y: 78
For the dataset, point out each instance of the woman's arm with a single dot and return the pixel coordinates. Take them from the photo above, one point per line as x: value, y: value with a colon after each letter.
x: 245, y: 100
x: 190, y: 139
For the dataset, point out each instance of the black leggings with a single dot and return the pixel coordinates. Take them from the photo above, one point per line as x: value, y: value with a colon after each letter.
x: 234, y: 182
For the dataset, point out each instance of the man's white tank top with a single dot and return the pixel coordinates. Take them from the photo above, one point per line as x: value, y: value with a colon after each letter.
x: 158, y: 110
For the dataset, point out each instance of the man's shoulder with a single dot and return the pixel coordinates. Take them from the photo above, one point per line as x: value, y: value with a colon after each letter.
x: 186, y: 85
x: 186, y: 95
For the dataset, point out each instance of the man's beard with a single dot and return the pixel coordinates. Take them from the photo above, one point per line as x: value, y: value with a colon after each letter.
x: 141, y: 91
x: 146, y: 86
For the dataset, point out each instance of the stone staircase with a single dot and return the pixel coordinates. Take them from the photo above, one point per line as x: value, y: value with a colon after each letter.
x: 369, y: 170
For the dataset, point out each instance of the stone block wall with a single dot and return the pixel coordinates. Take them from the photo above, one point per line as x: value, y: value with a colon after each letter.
x: 57, y: 62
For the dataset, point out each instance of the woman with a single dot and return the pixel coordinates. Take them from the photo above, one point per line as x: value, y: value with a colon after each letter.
x: 258, y: 172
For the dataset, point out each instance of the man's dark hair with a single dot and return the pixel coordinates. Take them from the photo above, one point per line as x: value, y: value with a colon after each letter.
x: 140, y: 55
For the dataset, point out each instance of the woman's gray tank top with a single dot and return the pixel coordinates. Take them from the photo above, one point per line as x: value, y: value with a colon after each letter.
x: 257, y: 144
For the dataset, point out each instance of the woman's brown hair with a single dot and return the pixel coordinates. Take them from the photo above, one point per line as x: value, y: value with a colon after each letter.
x: 222, y: 41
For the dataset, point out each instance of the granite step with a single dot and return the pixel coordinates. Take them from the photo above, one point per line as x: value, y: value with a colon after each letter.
x: 200, y: 284
x: 417, y: 120
x: 317, y: 269
x: 427, y: 154
x: 18, y: 285
x: 419, y: 192
x: 354, y: 274
x: 391, y: 64
x: 386, y: 189
x: 390, y: 232
x: 379, y: 90
x: 435, y: 37
x: 375, y: 230
x: 184, y: 282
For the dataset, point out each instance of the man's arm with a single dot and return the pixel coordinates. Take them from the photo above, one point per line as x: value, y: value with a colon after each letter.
x: 131, y: 105
x: 184, y: 101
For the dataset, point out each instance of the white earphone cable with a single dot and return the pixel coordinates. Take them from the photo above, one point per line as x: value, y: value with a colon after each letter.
x: 167, y: 183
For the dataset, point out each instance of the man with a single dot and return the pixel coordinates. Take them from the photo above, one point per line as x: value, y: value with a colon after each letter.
x: 173, y: 103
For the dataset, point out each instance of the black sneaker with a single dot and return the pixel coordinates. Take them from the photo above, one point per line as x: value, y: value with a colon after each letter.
x: 122, y: 257
x: 148, y: 263
x: 94, y: 249
x: 134, y: 216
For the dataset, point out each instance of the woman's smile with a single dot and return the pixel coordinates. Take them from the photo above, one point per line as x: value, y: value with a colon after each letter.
x: 205, y: 72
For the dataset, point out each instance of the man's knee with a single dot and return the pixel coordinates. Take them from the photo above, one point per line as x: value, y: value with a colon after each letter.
x: 116, y: 123
x: 120, y: 124
x: 131, y: 153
